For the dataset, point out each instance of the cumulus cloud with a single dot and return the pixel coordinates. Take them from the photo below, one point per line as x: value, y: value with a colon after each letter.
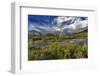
x: 71, y: 24
x: 77, y: 25
x: 62, y: 19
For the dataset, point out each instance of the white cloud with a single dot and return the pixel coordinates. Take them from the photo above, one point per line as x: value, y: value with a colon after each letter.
x: 76, y: 26
x: 61, y: 19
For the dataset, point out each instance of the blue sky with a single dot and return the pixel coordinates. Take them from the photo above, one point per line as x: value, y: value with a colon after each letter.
x: 56, y: 23
x: 41, y: 20
x: 44, y: 19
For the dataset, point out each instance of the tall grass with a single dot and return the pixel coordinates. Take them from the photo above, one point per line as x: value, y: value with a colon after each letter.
x: 56, y: 50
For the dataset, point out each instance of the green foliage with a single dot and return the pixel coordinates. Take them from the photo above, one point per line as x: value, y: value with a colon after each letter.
x: 55, y: 47
x: 59, y: 52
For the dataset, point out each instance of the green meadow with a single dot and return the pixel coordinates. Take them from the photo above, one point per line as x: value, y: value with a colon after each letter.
x: 51, y: 47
